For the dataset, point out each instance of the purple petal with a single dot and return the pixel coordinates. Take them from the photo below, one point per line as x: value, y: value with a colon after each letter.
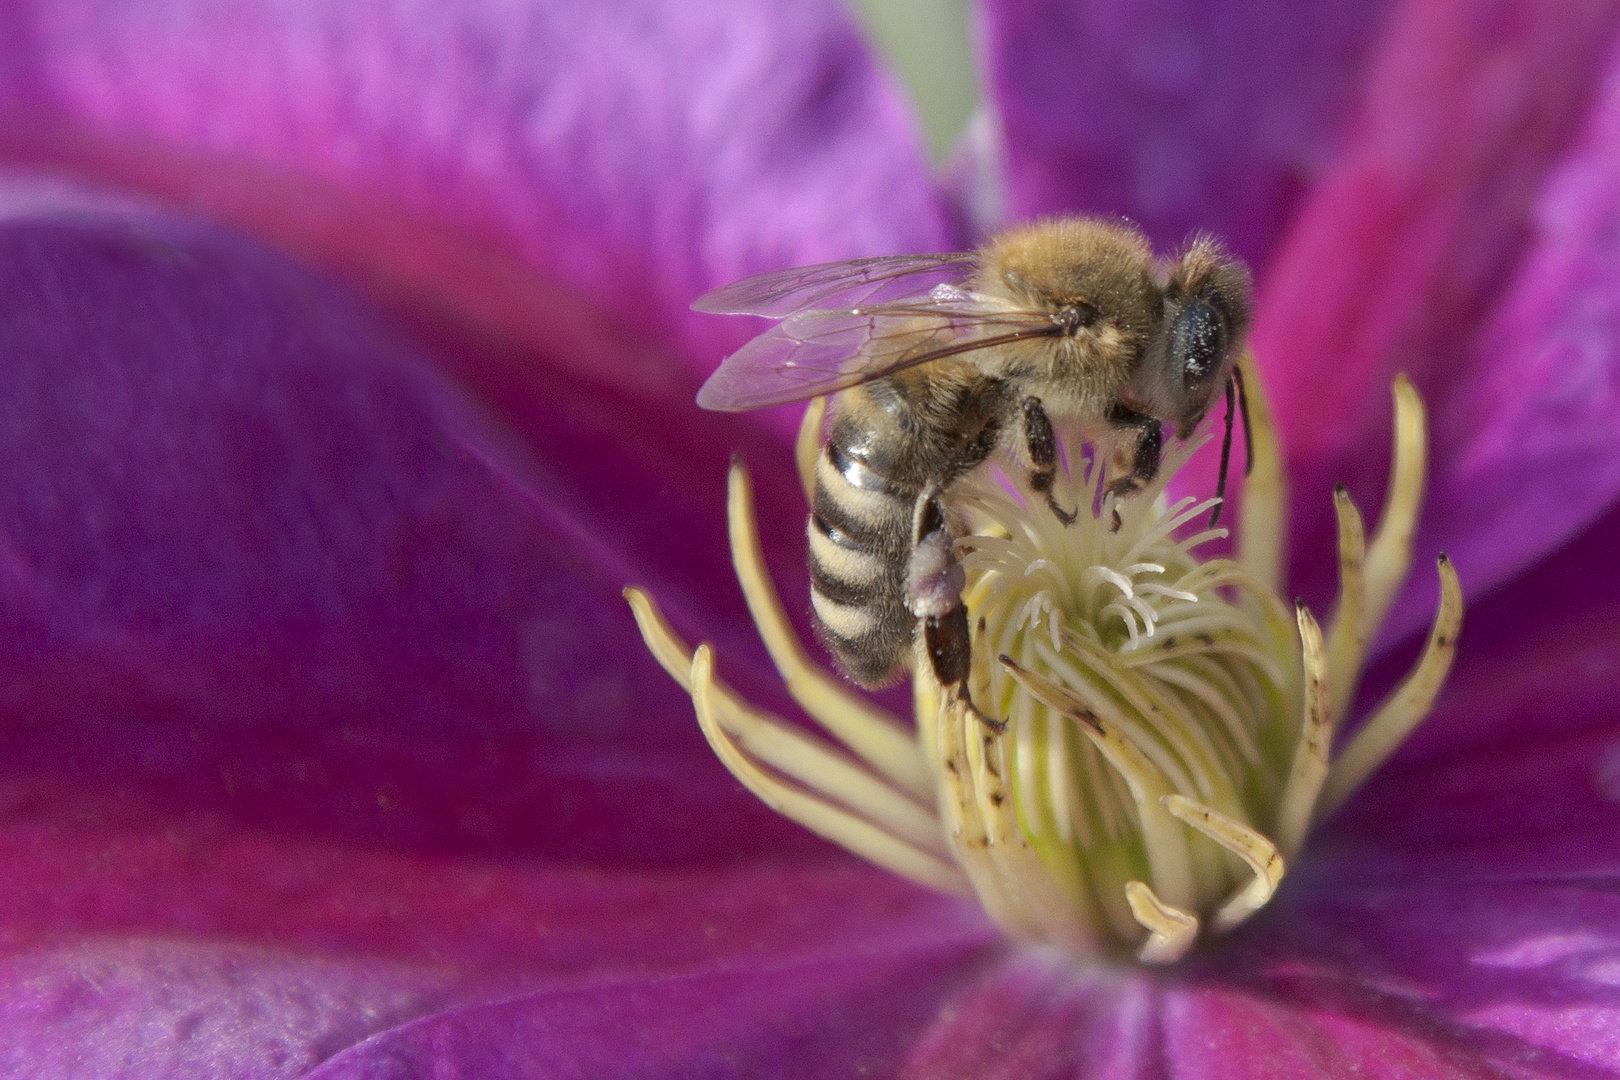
x: 257, y: 560
x: 1532, y: 441
x: 1039, y: 1016
x: 1539, y: 655
x: 505, y: 918
x: 1217, y: 1033
x: 1534, y: 809
x: 837, y: 1015
x: 136, y: 1009
x: 1519, y: 978
x: 1180, y: 116
x: 184, y: 950
x: 1043, y: 1018
x: 568, y: 175
x: 1412, y: 240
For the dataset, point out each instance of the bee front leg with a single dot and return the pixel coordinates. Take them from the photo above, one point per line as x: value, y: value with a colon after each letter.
x: 1149, y: 448
x: 934, y: 582
x: 1041, y: 442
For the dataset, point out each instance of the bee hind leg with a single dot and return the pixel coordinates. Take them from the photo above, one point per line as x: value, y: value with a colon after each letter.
x: 1041, y: 442
x: 950, y: 652
x: 934, y: 579
x: 934, y: 582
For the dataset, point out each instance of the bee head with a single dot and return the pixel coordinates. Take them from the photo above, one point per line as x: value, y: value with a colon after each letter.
x: 1204, y: 318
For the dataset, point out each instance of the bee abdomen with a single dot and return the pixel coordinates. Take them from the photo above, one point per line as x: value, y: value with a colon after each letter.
x: 859, y: 533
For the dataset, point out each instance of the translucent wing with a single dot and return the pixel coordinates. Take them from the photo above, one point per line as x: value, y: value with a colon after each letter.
x: 821, y: 351
x: 847, y: 284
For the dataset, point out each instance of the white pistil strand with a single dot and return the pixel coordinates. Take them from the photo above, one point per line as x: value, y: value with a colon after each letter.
x: 1145, y: 739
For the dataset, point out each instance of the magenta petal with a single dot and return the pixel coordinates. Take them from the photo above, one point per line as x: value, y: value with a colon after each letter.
x: 1539, y: 657
x: 142, y: 1009
x: 1181, y: 117
x: 1221, y: 1034
x: 1531, y: 810
x: 1520, y: 978
x: 256, y: 559
x: 1041, y: 1017
x: 187, y: 951
x: 1412, y: 240
x: 842, y: 1015
x: 511, y: 159
x: 493, y: 922
x: 1531, y: 443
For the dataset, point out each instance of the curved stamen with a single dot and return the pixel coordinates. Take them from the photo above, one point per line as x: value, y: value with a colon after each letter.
x: 1310, y: 765
x: 1410, y: 703
x: 858, y: 835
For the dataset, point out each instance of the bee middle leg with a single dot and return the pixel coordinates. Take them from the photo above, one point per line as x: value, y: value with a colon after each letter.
x: 1149, y: 448
x: 1041, y: 442
x: 934, y: 582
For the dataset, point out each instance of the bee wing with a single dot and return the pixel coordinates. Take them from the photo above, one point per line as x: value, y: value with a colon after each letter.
x: 847, y: 284
x: 822, y: 351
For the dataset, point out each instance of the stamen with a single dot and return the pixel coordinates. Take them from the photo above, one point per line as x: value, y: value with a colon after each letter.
x: 995, y: 853
x: 1165, y: 843
x: 1389, y: 556
x: 807, y: 447
x: 773, y: 743
x: 1310, y: 765
x: 1261, y: 855
x: 873, y: 735
x: 1410, y: 703
x: 1347, y: 640
x: 1171, y: 931
x: 845, y: 829
x: 1085, y: 668
x: 1218, y: 700
x: 1262, y: 518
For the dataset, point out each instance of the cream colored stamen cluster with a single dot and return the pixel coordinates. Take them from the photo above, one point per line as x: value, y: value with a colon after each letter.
x: 1144, y: 743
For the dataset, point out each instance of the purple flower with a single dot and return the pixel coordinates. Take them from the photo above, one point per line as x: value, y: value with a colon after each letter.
x: 329, y: 745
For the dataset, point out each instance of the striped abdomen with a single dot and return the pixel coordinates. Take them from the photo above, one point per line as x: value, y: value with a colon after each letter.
x: 860, y: 540
x: 890, y: 439
x: 859, y: 544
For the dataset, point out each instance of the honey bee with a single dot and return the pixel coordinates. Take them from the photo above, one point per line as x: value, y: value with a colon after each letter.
x: 936, y: 361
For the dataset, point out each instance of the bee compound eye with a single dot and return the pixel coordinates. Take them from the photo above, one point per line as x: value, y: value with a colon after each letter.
x: 1198, y: 341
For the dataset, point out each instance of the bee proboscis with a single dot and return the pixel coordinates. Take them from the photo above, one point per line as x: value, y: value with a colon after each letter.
x: 936, y: 361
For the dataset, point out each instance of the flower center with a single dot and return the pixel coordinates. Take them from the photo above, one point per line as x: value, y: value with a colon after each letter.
x: 1144, y: 741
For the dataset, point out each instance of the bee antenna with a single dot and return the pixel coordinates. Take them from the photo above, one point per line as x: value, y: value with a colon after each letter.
x: 1226, y: 450
x: 1243, y: 411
